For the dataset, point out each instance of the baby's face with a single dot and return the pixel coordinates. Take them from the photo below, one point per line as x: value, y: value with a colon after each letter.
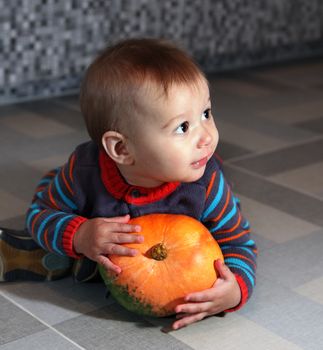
x: 175, y: 137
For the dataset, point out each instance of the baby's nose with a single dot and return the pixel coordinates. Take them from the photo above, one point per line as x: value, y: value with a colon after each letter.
x: 205, y: 138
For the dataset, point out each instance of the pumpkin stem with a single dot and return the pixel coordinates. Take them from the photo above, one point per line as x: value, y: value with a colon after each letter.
x: 158, y: 251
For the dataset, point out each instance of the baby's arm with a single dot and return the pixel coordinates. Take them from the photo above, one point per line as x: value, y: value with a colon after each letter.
x: 223, y: 218
x: 54, y: 222
x: 52, y: 218
x: 236, y: 278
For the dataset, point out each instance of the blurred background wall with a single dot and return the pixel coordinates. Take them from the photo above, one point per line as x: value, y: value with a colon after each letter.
x: 45, y: 45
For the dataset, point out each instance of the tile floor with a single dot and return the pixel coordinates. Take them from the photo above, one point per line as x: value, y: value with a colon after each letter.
x: 271, y: 130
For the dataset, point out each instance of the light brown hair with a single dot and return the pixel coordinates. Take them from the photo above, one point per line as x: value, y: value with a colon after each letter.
x: 111, y: 84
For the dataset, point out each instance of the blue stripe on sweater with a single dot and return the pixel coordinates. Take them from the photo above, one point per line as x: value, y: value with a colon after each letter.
x: 44, y: 182
x: 216, y: 200
x: 31, y: 214
x: 66, y: 200
x: 44, y: 223
x: 40, y: 194
x: 249, y: 251
x: 246, y: 224
x: 239, y: 264
x: 225, y: 219
x: 249, y: 243
x: 56, y: 232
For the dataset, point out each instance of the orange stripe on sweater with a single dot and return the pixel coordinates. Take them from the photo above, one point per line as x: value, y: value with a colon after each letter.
x: 72, y: 167
x: 40, y: 188
x: 224, y: 208
x: 65, y: 181
x: 210, y: 185
x: 46, y: 240
x: 35, y: 219
x: 51, y: 198
x: 51, y: 174
x: 232, y: 228
x: 222, y: 240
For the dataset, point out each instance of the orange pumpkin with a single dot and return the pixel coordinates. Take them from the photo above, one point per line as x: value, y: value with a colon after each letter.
x: 176, y: 258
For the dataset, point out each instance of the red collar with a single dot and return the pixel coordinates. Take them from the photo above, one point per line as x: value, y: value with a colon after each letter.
x: 120, y: 189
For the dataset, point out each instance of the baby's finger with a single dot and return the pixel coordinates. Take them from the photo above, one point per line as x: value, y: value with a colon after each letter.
x: 108, y: 264
x: 116, y: 249
x: 121, y: 219
x: 193, y: 308
x: 185, y: 321
x: 203, y: 296
x: 123, y: 228
x: 127, y: 238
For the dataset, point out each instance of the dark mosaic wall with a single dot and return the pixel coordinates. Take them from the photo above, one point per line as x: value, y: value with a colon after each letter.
x: 45, y: 45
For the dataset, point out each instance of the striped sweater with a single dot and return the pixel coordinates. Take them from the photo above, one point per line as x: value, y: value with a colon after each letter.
x: 89, y: 185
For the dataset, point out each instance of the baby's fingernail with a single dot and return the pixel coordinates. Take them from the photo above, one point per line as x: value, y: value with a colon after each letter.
x: 138, y: 228
x: 116, y: 271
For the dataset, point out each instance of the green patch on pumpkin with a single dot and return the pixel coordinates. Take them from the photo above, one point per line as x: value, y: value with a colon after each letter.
x: 127, y: 299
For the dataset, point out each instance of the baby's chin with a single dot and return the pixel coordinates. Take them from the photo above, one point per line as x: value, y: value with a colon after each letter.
x: 195, y: 176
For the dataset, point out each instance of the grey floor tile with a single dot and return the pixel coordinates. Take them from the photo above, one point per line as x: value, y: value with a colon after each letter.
x: 277, y: 196
x: 299, y: 179
x: 315, y: 125
x: 35, y: 126
x: 227, y: 150
x: 55, y: 111
x: 69, y: 101
x: 303, y: 109
x: 281, y: 106
x: 312, y: 290
x: 233, y: 332
x: 274, y: 224
x: 241, y: 86
x: 14, y: 147
x: 286, y: 159
x: 246, y: 138
x: 15, y: 222
x: 117, y: 328
x: 272, y: 128
x: 286, y: 314
x: 47, y: 339
x: 57, y: 301
x: 9, y: 110
x: 296, y: 75
x: 15, y: 323
x: 19, y: 180
x: 11, y: 206
x: 294, y: 263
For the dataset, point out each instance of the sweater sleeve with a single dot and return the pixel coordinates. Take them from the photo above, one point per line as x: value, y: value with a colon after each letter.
x: 223, y: 218
x: 52, y: 219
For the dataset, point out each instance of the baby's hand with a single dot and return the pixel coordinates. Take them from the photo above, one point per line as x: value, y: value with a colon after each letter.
x: 224, y: 294
x: 99, y: 237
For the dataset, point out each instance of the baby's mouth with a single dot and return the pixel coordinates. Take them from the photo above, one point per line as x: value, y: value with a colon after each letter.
x: 200, y: 163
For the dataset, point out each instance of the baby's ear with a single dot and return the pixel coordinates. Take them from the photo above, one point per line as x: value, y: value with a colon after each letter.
x: 115, y: 145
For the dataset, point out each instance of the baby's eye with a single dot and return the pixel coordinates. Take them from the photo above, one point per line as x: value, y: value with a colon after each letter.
x: 206, y: 114
x: 182, y: 128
